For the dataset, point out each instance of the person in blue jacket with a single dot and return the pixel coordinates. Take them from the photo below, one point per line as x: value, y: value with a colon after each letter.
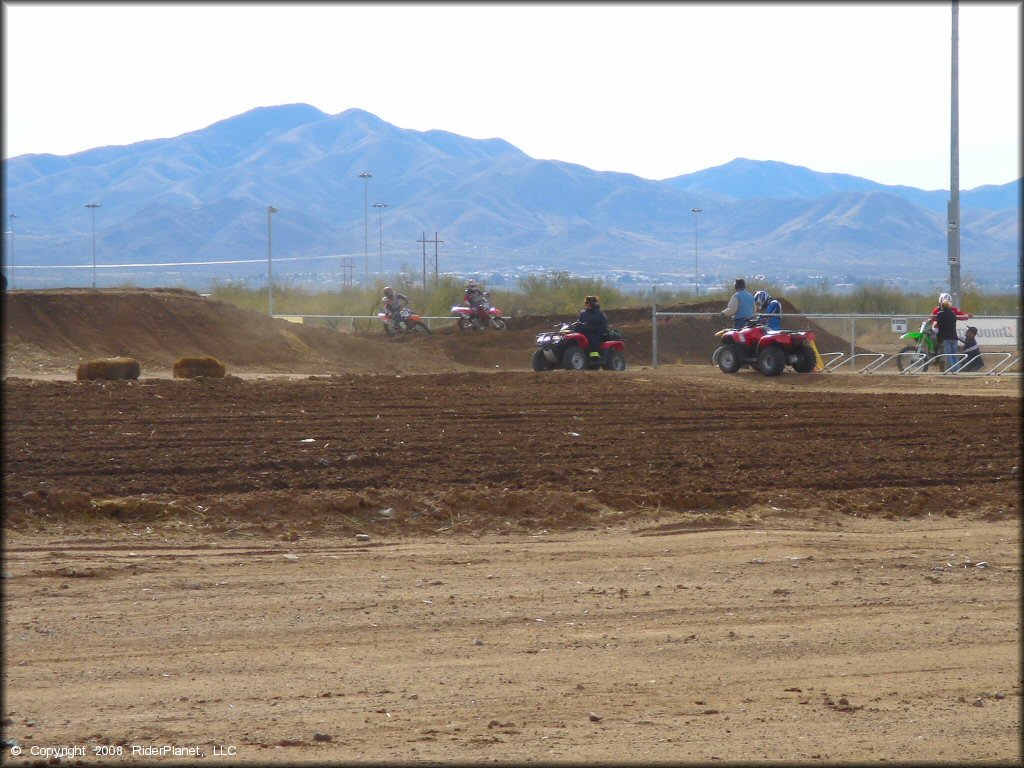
x: 741, y: 305
x: 769, y: 309
x: 593, y: 324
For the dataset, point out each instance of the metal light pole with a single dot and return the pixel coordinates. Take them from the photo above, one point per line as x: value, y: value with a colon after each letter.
x: 953, y: 226
x: 13, y: 217
x: 366, y: 176
x: 380, y: 234
x: 93, y: 207
x: 270, y: 278
x: 696, y: 271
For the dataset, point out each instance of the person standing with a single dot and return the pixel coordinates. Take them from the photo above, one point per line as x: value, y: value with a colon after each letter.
x: 945, y: 326
x: 741, y: 305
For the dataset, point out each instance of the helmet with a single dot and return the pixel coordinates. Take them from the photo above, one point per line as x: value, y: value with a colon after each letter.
x: 471, y: 284
x: 762, y: 298
x: 944, y: 297
x: 592, y: 300
x: 389, y: 292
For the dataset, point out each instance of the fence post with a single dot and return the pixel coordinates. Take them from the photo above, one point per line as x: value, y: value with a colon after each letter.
x: 853, y: 337
x: 654, y: 326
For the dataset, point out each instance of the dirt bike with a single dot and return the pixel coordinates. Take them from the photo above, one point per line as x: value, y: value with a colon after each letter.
x: 766, y: 351
x: 569, y: 348
x: 404, y: 321
x: 485, y: 315
x: 925, y: 347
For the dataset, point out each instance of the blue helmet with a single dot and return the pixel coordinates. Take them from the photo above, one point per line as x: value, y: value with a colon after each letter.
x: 762, y: 298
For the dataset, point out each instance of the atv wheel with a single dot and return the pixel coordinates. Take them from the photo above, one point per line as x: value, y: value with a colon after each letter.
x: 616, y: 361
x: 574, y: 359
x: 805, y: 361
x: 728, y: 358
x: 418, y: 327
x: 771, y: 361
x: 540, y: 361
x: 910, y: 356
x: 499, y: 324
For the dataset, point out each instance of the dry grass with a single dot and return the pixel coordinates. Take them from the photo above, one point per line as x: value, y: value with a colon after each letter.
x: 109, y: 369
x: 195, y: 367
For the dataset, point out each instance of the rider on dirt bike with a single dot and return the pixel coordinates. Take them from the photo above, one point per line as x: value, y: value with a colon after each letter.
x: 393, y: 304
x: 474, y: 296
x: 960, y: 314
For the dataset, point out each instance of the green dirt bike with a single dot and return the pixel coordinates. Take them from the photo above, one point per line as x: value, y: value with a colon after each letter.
x: 925, y: 346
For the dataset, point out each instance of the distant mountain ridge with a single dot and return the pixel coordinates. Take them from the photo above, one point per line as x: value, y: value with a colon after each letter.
x: 202, y: 197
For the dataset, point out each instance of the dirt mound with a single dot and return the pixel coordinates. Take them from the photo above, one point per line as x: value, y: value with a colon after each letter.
x: 53, y: 331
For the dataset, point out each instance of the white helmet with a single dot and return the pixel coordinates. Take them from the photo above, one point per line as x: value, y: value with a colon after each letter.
x: 471, y: 284
x: 945, y: 297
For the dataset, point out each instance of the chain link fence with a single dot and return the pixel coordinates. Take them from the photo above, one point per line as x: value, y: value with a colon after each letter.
x: 855, y: 342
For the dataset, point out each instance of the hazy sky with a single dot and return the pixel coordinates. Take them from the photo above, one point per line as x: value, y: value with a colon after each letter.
x: 657, y: 90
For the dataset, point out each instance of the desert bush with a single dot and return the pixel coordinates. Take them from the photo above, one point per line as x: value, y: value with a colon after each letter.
x: 194, y: 367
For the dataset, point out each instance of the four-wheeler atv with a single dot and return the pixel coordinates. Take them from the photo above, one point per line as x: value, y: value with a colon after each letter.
x: 568, y: 348
x: 766, y: 351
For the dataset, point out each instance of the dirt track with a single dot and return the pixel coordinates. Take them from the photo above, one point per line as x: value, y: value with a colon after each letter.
x: 808, y: 568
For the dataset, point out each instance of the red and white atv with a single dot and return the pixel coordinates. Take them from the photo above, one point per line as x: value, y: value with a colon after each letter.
x: 766, y: 351
x: 568, y: 348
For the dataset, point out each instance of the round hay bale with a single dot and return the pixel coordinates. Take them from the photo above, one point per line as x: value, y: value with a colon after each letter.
x: 195, y: 367
x: 109, y: 369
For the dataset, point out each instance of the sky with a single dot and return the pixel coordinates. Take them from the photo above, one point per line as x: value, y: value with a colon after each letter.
x: 653, y: 89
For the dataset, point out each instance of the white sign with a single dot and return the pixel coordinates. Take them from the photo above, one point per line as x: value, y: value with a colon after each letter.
x: 992, y: 332
x: 899, y: 325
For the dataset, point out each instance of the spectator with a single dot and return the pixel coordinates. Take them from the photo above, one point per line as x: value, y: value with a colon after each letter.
x: 971, y: 348
x: 741, y: 305
x: 770, y: 311
x: 945, y: 324
x: 593, y: 324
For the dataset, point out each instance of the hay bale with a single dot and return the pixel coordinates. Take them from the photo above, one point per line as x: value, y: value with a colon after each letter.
x: 109, y: 369
x: 195, y: 367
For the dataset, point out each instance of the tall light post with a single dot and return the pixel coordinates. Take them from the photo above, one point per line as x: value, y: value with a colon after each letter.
x: 270, y: 276
x: 366, y: 176
x: 696, y: 271
x: 380, y: 234
x: 93, y: 207
x: 13, y: 217
x: 953, y: 205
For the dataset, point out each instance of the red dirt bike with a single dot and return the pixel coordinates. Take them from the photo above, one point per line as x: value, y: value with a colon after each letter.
x: 484, y: 316
x: 568, y: 348
x: 404, y: 321
x: 766, y: 351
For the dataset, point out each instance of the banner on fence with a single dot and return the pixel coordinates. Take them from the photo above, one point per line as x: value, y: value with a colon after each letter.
x: 1000, y: 331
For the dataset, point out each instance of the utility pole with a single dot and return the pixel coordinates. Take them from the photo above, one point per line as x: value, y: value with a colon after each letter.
x: 348, y: 268
x: 435, y: 241
x: 953, y: 211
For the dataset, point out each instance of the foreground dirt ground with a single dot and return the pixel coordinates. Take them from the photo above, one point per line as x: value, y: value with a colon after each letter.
x: 464, y: 566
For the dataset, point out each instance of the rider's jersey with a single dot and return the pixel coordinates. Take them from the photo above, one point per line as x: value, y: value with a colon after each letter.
x: 394, y: 306
x: 772, y: 316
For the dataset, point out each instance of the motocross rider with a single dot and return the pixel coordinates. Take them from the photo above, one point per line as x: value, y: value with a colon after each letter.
x: 769, y: 309
x: 393, y: 304
x: 474, y: 298
x: 593, y: 324
x: 960, y: 314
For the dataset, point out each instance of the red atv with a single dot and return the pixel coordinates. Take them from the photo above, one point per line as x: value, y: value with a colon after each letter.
x: 764, y: 350
x: 568, y: 348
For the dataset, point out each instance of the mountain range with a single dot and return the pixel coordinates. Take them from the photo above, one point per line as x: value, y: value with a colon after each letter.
x: 191, y: 208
